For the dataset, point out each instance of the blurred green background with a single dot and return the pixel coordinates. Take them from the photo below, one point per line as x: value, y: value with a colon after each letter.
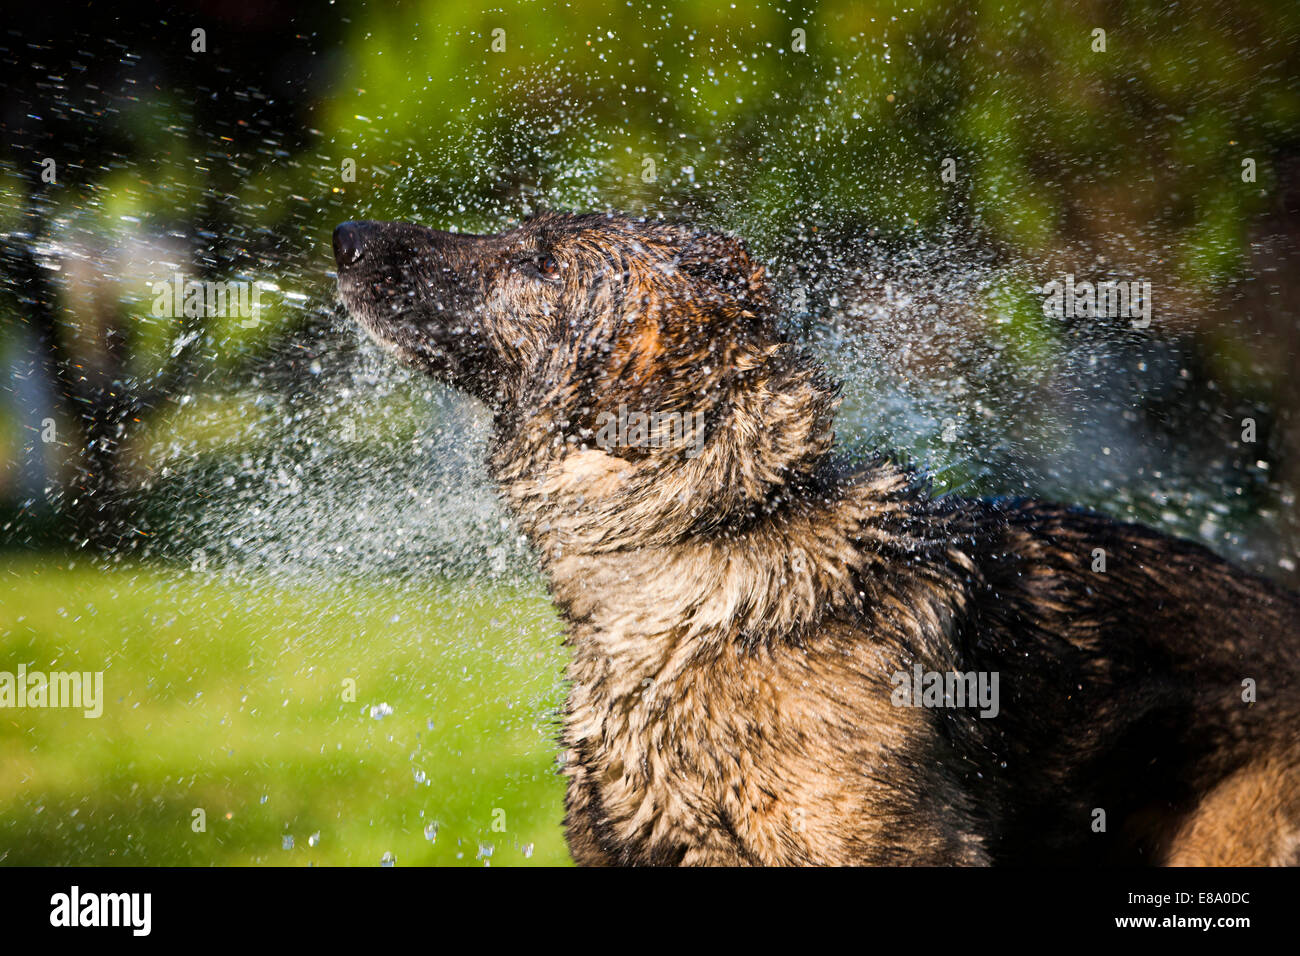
x: 231, y: 519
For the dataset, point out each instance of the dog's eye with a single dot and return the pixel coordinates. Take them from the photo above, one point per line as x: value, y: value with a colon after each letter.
x: 540, y: 266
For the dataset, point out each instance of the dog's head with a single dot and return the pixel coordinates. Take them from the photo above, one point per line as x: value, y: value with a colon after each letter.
x: 625, y: 310
x: 630, y: 365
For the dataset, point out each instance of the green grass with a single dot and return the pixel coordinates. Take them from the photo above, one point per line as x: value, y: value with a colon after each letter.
x: 229, y: 697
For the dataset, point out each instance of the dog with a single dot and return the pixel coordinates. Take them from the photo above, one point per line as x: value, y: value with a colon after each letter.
x: 780, y: 656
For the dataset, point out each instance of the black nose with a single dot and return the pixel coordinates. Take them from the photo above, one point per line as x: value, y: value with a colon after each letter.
x: 348, y: 243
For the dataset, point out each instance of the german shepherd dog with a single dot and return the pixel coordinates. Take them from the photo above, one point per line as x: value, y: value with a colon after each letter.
x: 780, y: 657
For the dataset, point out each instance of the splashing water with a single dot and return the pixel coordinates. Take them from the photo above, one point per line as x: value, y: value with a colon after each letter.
x: 330, y: 508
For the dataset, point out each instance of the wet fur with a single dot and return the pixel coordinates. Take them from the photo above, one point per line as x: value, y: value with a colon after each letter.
x: 735, y: 618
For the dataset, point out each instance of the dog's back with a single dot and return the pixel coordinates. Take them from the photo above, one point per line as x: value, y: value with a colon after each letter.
x: 1153, y: 682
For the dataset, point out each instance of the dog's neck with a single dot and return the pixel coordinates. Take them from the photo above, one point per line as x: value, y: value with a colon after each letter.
x: 757, y: 536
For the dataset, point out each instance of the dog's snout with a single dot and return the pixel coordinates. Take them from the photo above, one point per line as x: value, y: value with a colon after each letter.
x: 349, y: 243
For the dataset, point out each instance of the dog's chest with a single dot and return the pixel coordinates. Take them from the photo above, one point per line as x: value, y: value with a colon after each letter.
x: 659, y: 758
x: 689, y: 741
x: 728, y: 757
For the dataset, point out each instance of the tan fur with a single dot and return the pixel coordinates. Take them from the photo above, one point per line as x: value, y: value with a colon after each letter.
x: 1252, y: 818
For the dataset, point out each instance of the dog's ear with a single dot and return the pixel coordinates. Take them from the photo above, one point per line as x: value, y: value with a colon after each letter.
x: 725, y: 262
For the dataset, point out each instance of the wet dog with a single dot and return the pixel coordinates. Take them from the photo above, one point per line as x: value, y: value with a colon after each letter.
x: 782, y: 658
